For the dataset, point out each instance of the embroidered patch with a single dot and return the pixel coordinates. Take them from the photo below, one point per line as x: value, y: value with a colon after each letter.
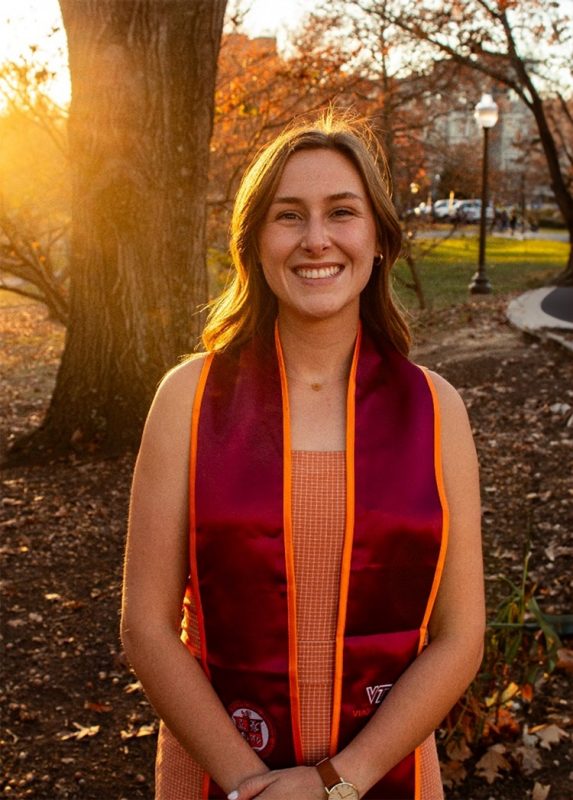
x: 253, y: 726
x: 377, y: 693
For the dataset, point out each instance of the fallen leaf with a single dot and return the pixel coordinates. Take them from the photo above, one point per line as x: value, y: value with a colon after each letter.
x: 551, y: 734
x: 458, y: 750
x: 565, y: 659
x: 99, y: 708
x: 509, y: 692
x: 540, y: 792
x: 529, y: 759
x: 504, y: 720
x: 491, y: 700
x: 133, y: 687
x: 490, y: 763
x: 82, y: 732
x: 527, y: 692
x: 137, y: 733
x: 74, y: 604
x: 453, y: 772
x: 550, y: 552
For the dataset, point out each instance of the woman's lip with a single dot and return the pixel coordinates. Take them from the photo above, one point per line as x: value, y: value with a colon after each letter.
x: 317, y: 271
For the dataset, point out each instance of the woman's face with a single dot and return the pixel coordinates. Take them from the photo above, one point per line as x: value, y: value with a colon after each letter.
x: 318, y: 238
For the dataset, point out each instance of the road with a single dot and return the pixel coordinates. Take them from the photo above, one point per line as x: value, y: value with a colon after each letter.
x: 545, y: 234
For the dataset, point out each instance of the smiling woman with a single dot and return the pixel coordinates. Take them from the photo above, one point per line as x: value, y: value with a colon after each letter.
x: 319, y: 533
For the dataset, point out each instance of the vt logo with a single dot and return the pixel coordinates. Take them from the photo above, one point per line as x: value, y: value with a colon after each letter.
x: 377, y: 693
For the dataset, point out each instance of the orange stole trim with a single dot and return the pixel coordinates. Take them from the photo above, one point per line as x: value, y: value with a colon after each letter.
x: 443, y: 547
x: 289, y: 558
x: 206, y: 785
x: 193, y: 570
x: 442, y: 555
x: 346, y: 549
x: 445, y: 509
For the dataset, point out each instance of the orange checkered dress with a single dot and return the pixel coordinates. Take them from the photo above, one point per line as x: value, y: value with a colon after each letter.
x: 319, y: 503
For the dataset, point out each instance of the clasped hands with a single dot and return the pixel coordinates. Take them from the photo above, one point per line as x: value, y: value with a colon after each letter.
x: 304, y: 783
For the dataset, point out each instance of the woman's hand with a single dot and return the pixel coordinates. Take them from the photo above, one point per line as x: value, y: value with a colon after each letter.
x: 304, y: 783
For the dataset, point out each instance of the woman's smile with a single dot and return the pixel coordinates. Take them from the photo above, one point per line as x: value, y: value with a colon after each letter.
x: 315, y: 272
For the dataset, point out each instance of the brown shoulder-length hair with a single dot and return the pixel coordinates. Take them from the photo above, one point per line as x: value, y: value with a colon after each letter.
x: 247, y: 306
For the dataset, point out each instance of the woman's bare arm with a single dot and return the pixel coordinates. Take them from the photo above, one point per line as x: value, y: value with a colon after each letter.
x: 156, y: 569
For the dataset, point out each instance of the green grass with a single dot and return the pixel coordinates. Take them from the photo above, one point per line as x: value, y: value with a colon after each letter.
x: 512, y: 265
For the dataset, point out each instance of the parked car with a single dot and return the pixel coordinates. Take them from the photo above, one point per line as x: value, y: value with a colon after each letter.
x: 445, y: 209
x: 470, y: 211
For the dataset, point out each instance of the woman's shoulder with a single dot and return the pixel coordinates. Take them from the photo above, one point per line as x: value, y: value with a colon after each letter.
x: 450, y: 405
x: 184, y: 377
x: 447, y: 394
x: 173, y: 401
x: 164, y: 451
x: 454, y: 421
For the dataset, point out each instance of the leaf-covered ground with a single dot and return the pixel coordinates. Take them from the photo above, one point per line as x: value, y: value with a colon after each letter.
x: 75, y: 723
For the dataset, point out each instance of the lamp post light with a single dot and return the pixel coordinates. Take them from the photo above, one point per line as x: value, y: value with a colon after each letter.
x: 485, y: 115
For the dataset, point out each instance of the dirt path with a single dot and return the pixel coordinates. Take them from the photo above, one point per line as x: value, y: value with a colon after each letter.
x: 75, y: 722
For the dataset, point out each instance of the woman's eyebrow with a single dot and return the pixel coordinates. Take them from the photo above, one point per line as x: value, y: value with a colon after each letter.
x: 331, y: 197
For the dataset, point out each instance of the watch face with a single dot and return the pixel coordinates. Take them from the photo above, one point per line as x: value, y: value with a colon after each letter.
x: 343, y: 791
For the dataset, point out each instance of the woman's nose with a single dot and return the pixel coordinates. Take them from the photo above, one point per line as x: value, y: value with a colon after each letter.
x: 315, y: 236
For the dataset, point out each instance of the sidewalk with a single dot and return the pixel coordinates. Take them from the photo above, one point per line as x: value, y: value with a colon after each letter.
x: 546, y: 312
x: 544, y: 234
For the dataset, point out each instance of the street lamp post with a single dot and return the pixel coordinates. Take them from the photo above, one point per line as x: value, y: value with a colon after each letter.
x: 486, y: 116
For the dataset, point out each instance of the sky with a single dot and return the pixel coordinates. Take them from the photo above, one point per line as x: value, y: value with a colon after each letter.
x: 273, y: 16
x: 31, y: 23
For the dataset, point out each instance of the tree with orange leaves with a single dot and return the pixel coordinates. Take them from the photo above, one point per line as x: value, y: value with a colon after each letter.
x: 523, y: 45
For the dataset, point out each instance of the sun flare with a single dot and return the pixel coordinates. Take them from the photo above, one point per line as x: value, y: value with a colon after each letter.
x: 33, y: 31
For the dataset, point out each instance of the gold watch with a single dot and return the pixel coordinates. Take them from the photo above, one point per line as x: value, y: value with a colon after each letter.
x: 336, y: 788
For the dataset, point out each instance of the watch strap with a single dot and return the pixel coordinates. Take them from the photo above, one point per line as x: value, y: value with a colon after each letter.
x: 328, y: 773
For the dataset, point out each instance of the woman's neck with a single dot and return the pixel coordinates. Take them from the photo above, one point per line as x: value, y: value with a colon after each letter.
x: 318, y: 352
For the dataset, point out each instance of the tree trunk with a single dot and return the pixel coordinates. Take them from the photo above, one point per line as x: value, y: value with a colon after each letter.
x: 565, y: 278
x: 143, y: 78
x: 559, y: 183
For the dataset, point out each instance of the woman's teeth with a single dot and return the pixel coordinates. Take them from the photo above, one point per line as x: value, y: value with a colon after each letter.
x: 321, y: 272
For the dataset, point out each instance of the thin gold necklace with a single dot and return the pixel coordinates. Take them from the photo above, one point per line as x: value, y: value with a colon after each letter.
x: 316, y: 386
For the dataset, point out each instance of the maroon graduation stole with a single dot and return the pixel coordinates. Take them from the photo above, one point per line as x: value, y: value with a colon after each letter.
x: 241, y: 552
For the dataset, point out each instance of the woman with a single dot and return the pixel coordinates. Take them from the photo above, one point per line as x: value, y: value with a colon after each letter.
x: 323, y: 524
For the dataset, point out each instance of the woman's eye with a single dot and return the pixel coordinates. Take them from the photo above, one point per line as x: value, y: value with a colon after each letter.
x: 342, y: 212
x: 288, y: 215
